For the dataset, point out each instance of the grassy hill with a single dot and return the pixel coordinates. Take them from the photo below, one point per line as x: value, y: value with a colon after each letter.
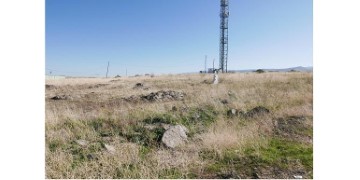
x: 248, y: 126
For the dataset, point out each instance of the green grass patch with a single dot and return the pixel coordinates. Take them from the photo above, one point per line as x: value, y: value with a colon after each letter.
x: 279, y: 153
x: 143, y: 136
x: 55, y: 144
x: 105, y: 127
x: 171, y: 173
x: 81, y: 154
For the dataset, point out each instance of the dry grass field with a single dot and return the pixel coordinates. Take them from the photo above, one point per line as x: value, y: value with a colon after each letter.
x: 250, y: 125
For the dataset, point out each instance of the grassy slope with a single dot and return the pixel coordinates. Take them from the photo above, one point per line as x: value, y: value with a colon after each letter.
x: 275, y: 145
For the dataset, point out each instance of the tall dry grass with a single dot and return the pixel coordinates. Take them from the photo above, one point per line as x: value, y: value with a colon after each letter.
x: 95, y: 99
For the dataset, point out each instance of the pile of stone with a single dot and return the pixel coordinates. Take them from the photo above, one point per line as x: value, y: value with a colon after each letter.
x: 163, y: 95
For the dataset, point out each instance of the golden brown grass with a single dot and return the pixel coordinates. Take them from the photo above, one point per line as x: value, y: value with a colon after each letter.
x: 100, y: 100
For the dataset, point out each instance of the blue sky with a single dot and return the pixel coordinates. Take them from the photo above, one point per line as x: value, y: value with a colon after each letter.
x: 173, y: 36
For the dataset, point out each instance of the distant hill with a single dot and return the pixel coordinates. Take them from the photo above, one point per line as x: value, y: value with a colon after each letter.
x: 299, y: 69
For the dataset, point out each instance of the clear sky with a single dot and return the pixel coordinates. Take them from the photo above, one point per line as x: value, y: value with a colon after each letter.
x: 173, y: 36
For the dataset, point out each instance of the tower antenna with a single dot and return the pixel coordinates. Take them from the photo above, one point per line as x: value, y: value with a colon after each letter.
x: 224, y: 19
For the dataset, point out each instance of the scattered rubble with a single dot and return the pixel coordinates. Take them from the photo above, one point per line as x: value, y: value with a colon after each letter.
x: 257, y: 111
x: 163, y: 95
x: 175, y: 136
x: 157, y: 96
x: 62, y: 97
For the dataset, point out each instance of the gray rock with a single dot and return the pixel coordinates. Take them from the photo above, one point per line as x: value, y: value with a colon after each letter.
x: 233, y: 111
x: 82, y: 142
x: 175, y: 136
x: 110, y: 149
x: 257, y: 111
x: 224, y: 101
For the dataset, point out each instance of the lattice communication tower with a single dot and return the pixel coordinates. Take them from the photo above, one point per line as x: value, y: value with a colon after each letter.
x: 224, y: 19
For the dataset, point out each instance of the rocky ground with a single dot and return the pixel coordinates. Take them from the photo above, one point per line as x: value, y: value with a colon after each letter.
x: 247, y: 126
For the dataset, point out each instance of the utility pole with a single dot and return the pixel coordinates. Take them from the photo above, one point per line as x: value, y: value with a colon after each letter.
x: 126, y: 72
x: 107, y: 70
x: 214, y: 64
x: 205, y: 63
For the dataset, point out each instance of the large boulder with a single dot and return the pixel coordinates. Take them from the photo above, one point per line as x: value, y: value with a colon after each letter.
x: 175, y: 136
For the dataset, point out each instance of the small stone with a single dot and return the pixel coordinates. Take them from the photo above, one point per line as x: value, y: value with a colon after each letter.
x: 91, y: 156
x: 139, y: 85
x: 224, y: 101
x: 82, y: 142
x: 110, y: 149
x: 231, y: 112
x: 60, y: 97
x: 298, y: 177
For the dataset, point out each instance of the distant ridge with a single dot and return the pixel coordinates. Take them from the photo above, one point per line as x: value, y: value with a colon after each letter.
x: 298, y: 68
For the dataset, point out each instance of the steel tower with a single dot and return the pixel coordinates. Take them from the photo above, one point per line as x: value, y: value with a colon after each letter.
x: 224, y: 19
